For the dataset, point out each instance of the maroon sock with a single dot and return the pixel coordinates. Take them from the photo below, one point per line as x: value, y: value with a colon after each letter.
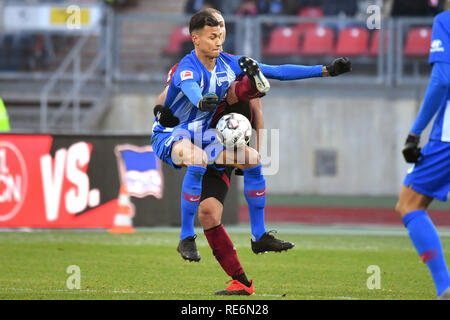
x: 224, y: 251
x: 245, y: 90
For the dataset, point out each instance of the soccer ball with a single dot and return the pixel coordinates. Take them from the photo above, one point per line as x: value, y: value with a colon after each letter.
x: 234, y: 130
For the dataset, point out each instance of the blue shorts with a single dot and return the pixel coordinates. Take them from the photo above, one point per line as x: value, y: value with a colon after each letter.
x: 431, y: 175
x: 162, y: 143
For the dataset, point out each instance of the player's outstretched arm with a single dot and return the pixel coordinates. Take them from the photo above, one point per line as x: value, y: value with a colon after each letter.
x: 290, y: 71
x: 297, y: 72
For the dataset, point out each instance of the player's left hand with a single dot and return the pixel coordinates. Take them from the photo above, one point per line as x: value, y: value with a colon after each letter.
x: 339, y: 66
x: 209, y: 102
x: 411, y: 151
x: 165, y: 116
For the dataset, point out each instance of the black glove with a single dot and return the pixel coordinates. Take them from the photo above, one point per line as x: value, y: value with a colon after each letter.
x: 411, y: 150
x: 339, y: 66
x: 165, y: 116
x: 209, y: 102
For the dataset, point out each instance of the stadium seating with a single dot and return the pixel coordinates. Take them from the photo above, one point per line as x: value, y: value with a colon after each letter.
x: 308, y: 12
x: 178, y: 36
x: 375, y: 43
x: 318, y: 41
x: 352, y: 41
x: 283, y: 41
x: 418, y: 42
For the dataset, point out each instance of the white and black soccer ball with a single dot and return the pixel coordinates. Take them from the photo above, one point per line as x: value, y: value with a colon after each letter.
x: 234, y: 130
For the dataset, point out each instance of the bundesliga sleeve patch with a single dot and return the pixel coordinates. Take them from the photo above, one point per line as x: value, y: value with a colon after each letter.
x: 186, y: 75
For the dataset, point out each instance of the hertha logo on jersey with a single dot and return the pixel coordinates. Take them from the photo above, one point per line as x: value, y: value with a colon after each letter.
x: 186, y: 75
x: 222, y: 77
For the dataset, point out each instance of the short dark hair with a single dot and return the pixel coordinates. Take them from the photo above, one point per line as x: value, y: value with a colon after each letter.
x: 201, y: 19
x: 213, y: 11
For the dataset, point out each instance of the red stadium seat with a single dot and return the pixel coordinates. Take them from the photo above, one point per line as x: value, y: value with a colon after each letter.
x: 352, y: 41
x: 318, y: 41
x: 418, y: 42
x: 308, y: 12
x: 178, y: 36
x: 375, y: 43
x: 283, y: 41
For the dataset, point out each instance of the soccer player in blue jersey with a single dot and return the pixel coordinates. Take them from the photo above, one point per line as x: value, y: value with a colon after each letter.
x: 429, y: 176
x: 200, y: 81
x: 216, y: 182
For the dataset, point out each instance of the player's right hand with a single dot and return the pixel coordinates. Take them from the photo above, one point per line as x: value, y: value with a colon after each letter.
x: 411, y: 151
x: 165, y: 116
x: 339, y: 66
x: 209, y: 102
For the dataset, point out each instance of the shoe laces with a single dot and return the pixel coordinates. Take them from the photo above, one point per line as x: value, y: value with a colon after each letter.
x: 271, y: 233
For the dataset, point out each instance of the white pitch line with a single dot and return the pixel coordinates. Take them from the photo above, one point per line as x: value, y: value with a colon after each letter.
x: 156, y: 292
x: 85, y: 291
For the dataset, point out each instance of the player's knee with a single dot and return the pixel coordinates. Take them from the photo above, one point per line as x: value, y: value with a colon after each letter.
x: 209, y: 213
x: 198, y: 157
x: 404, y: 207
x: 200, y: 160
x: 186, y: 153
x: 400, y: 208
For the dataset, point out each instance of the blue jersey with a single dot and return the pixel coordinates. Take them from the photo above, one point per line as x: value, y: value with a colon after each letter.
x: 441, y: 126
x: 191, y: 71
x: 440, y: 38
x: 192, y: 80
x: 437, y: 97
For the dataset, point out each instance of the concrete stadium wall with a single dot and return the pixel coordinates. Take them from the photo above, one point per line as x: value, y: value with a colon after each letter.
x: 364, y: 135
x: 358, y: 131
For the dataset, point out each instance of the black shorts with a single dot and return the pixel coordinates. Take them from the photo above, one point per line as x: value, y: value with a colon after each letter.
x: 215, y: 182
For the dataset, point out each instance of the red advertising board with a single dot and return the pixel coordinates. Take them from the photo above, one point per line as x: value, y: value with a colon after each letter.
x: 71, y: 182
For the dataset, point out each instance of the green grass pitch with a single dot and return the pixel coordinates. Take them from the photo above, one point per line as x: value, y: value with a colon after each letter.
x: 326, y: 263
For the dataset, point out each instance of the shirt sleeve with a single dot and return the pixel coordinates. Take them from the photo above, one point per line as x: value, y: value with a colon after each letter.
x: 283, y: 72
x: 291, y: 71
x: 435, y: 95
x: 187, y: 78
x: 192, y: 90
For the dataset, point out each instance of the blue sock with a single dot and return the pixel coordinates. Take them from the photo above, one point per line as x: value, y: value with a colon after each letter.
x: 190, y: 198
x: 426, y: 240
x: 255, y: 194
